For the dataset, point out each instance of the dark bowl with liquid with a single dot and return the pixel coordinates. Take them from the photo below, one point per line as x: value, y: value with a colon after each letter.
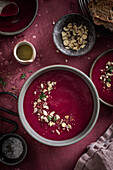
x: 16, y: 24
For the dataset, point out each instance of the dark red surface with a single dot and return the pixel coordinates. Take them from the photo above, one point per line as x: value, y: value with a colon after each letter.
x: 105, y: 95
x: 39, y: 156
x: 66, y: 99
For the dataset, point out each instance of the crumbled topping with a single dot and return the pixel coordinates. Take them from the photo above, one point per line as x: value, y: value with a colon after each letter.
x: 57, y: 131
x: 106, y: 75
x: 34, y: 92
x: 74, y: 37
x: 53, y: 23
x: 63, y: 124
x: 45, y: 114
x: 42, y: 86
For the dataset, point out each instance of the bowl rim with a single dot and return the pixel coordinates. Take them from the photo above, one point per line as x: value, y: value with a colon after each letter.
x: 23, y: 29
x: 91, y: 70
x: 74, y: 55
x: 90, y: 125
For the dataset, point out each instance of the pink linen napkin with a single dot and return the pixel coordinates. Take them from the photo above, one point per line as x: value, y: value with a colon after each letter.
x: 99, y: 155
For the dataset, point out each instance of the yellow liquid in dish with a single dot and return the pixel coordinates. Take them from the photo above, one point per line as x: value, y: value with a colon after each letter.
x: 24, y: 52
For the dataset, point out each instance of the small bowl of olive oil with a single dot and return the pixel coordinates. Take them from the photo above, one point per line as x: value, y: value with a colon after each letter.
x: 24, y: 52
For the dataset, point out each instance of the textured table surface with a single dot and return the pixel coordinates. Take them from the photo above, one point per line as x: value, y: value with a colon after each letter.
x: 40, y: 156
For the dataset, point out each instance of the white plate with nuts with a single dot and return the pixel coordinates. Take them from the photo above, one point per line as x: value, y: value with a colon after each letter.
x: 74, y: 35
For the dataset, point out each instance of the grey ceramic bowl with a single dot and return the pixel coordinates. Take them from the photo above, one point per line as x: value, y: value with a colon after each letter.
x: 95, y: 113
x: 23, y: 20
x: 73, y: 18
x: 6, y: 160
x: 91, y: 70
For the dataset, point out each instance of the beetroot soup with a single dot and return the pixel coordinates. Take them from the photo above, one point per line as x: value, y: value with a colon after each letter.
x: 58, y: 105
x: 102, y: 76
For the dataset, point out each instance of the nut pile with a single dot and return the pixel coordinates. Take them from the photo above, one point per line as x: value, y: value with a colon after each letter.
x: 46, y: 116
x: 106, y: 75
x: 75, y: 37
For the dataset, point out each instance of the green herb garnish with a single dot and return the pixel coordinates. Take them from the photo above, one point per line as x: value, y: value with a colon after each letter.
x: 30, y: 71
x: 109, y: 80
x: 110, y: 69
x: 42, y: 96
x: 54, y: 119
x: 49, y: 118
x: 23, y: 76
x: 2, y: 82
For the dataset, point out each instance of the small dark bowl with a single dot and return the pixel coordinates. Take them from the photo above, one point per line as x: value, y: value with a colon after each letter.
x: 16, y: 24
x: 73, y: 18
x: 8, y: 161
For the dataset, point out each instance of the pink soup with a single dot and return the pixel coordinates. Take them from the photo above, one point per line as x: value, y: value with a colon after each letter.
x: 58, y: 105
x: 102, y: 77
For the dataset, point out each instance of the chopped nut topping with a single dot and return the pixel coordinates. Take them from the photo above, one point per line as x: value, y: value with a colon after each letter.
x: 35, y: 110
x: 57, y: 131
x: 69, y: 126
x: 44, y: 91
x: 74, y: 37
x: 35, y: 103
x: 63, y: 124
x: 51, y: 123
x: 108, y: 84
x: 43, y: 112
x: 38, y: 100
x: 34, y: 92
x: 57, y: 117
x: 106, y: 75
x: 42, y: 86
x: 52, y: 113
x: 67, y: 117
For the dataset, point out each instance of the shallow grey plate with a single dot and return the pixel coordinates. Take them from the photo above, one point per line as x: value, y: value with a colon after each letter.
x: 95, y: 113
x: 73, y: 18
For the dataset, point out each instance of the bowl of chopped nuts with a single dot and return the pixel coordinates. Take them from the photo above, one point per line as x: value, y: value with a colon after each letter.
x: 51, y: 105
x: 74, y: 35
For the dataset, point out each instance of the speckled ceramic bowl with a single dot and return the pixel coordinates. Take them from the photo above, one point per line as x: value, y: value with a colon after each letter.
x: 63, y: 22
x: 99, y: 63
x: 5, y: 159
x: 94, y: 115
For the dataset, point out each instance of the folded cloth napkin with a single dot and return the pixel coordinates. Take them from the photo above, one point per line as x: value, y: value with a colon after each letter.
x: 99, y: 155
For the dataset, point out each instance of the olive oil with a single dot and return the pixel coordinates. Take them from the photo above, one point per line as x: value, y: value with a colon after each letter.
x: 24, y: 52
